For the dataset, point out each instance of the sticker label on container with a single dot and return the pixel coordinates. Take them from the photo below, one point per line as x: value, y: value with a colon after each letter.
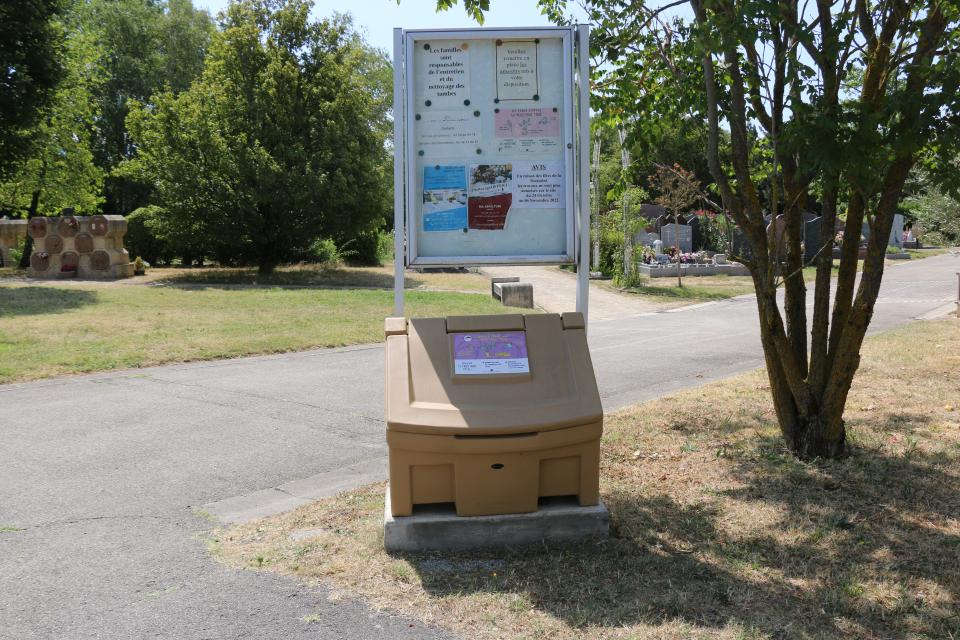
x: 490, y: 352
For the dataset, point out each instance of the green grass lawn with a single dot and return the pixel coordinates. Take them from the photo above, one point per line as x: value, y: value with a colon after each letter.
x: 48, y: 330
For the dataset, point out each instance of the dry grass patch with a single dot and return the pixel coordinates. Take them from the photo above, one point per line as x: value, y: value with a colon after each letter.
x: 717, y: 532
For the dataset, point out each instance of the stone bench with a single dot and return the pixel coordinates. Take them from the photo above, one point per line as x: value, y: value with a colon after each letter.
x: 511, y: 292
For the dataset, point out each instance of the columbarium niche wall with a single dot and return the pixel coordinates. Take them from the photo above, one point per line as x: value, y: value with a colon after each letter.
x: 81, y: 246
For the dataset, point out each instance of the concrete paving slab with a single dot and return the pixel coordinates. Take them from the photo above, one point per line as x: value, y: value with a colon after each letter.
x: 290, y: 495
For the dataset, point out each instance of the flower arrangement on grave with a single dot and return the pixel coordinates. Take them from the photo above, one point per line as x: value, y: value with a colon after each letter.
x: 647, y: 255
x: 695, y: 257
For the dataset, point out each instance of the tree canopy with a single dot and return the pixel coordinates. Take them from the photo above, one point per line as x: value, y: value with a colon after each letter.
x: 60, y: 170
x: 150, y: 46
x: 30, y: 67
x: 280, y: 140
x: 826, y: 105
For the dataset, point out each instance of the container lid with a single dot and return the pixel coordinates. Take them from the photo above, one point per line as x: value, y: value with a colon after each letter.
x: 536, y: 376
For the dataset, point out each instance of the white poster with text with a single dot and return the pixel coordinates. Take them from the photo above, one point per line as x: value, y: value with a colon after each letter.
x: 445, y: 75
x: 538, y: 185
x: 447, y: 134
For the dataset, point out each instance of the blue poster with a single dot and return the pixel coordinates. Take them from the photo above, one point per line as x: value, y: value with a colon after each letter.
x: 447, y: 176
x: 444, y: 198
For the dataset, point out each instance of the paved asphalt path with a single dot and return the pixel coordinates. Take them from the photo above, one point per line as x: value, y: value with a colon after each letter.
x: 101, y: 475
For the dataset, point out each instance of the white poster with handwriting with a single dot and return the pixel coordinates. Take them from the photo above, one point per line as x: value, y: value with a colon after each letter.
x: 445, y: 74
x: 517, y: 70
x: 538, y: 185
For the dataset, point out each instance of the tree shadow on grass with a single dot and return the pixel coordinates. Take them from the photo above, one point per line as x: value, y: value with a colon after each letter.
x: 28, y: 301
x: 327, y: 278
x: 860, y: 548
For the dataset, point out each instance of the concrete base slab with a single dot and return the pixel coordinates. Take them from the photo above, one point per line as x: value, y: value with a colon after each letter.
x: 441, y: 529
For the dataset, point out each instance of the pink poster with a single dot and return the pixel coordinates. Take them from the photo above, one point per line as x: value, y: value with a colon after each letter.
x: 537, y: 122
x: 521, y: 131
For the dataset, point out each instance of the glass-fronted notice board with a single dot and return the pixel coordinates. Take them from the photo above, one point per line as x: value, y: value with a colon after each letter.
x: 490, y: 146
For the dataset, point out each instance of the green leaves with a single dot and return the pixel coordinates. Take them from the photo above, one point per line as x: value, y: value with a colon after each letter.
x: 60, y: 168
x: 31, y: 65
x: 280, y: 141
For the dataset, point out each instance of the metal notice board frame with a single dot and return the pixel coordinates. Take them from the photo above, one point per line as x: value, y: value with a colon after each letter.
x: 571, y: 244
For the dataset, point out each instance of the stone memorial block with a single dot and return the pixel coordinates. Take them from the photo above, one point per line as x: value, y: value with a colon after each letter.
x: 90, y: 247
x: 12, y: 233
x: 68, y: 226
x: 652, y: 211
x: 100, y: 260
x: 776, y: 236
x: 896, y: 231
x: 698, y: 224
x: 40, y: 261
x: 53, y: 244
x: 647, y: 239
x: 811, y: 239
x: 38, y: 228
x: 83, y: 243
x: 677, y: 234
x: 69, y: 260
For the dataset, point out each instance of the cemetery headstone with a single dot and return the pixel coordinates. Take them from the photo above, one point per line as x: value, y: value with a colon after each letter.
x: 647, y: 239
x: 696, y: 233
x: 674, y: 234
x: 896, y: 231
x: 740, y: 245
x: 652, y: 211
x: 811, y: 239
x: 776, y: 236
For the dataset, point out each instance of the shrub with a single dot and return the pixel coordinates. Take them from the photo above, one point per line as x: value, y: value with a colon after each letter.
x: 324, y: 250
x: 142, y: 238
x: 370, y: 248
x: 16, y: 254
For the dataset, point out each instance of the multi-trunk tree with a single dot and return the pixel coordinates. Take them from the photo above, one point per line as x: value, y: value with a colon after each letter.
x: 825, y: 105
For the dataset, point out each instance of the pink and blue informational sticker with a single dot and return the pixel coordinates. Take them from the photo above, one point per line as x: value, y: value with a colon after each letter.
x: 444, y: 198
x: 490, y: 352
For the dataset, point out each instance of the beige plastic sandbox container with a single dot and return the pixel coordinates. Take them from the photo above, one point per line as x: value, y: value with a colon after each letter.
x: 491, y: 444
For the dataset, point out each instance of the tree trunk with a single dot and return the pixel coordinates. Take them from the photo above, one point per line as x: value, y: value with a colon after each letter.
x: 812, y: 428
x: 28, y: 245
x: 265, y: 268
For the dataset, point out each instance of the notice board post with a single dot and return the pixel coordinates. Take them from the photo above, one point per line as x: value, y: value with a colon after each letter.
x: 491, y: 150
